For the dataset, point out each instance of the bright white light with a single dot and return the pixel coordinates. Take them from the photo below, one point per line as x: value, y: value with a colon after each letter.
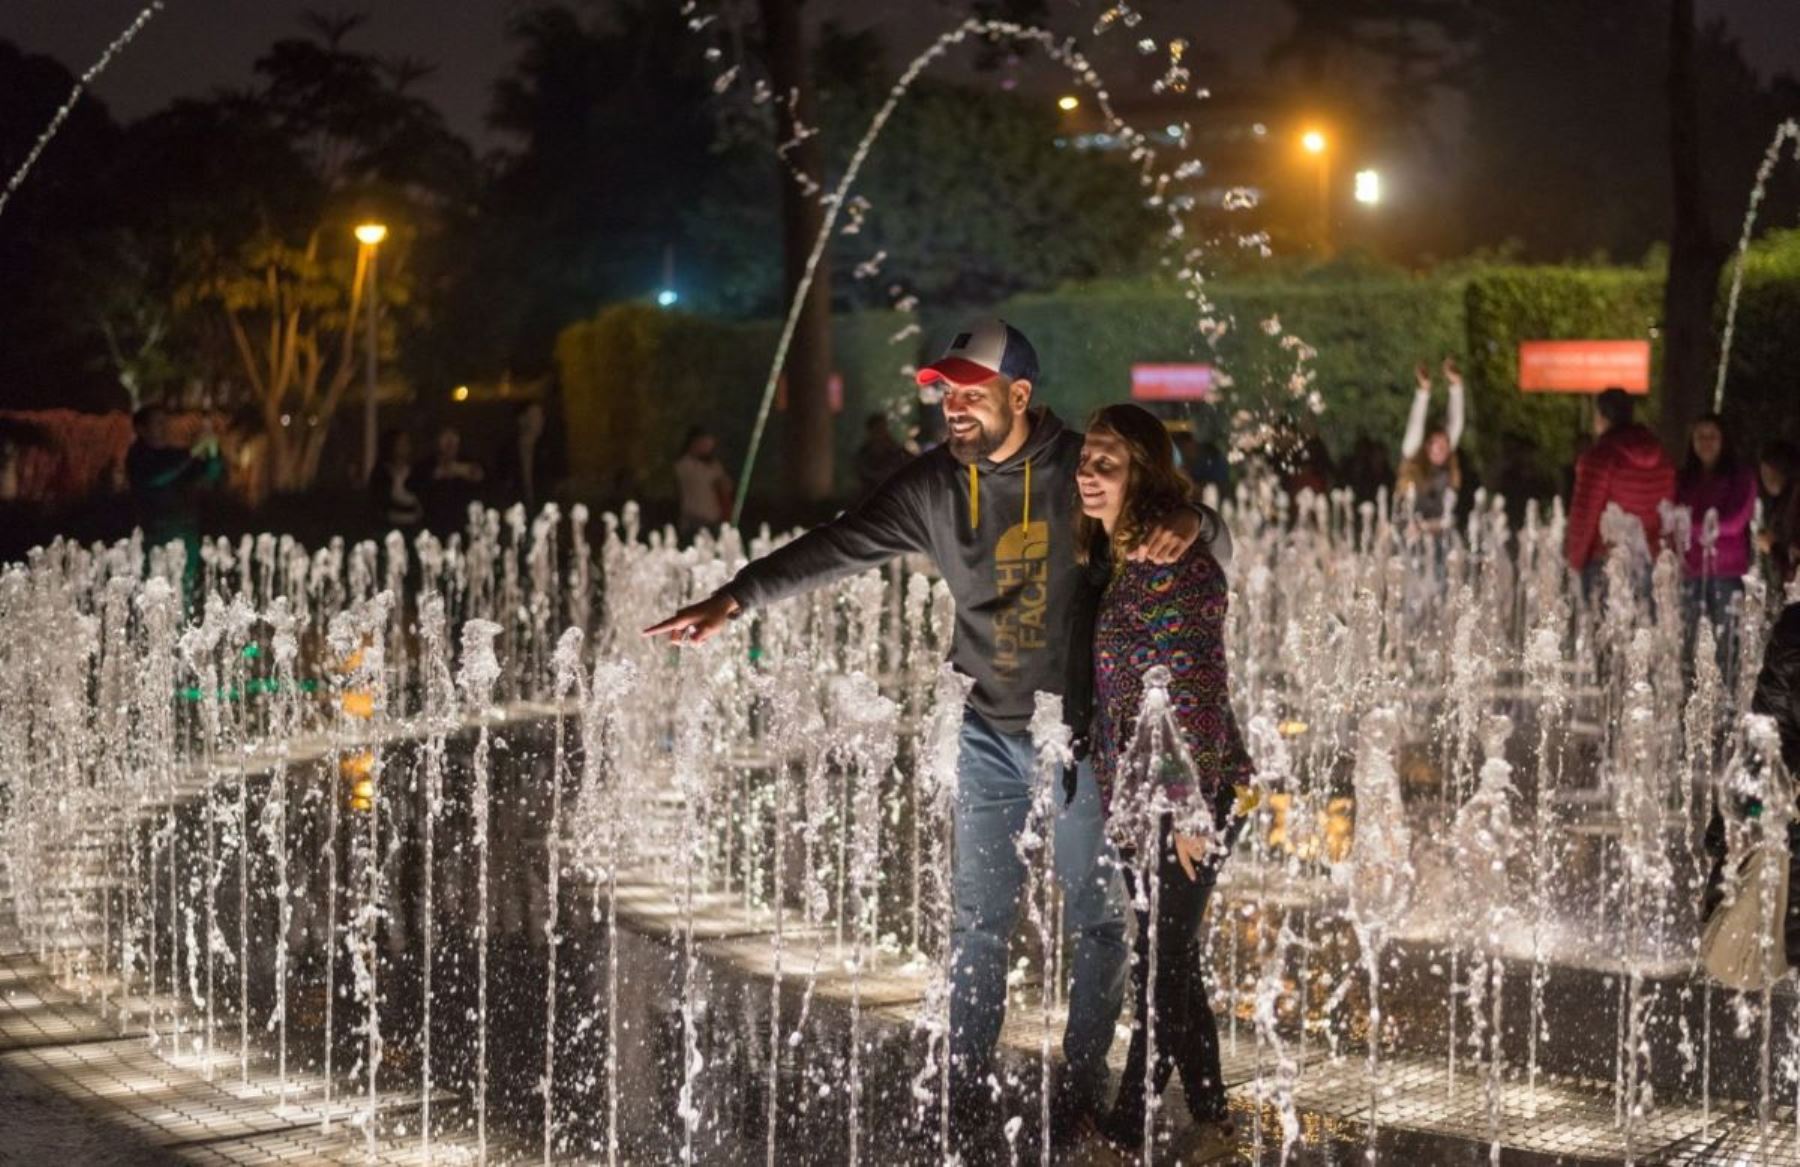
x: 370, y: 234
x: 1068, y: 103
x: 667, y: 297
x: 1368, y: 187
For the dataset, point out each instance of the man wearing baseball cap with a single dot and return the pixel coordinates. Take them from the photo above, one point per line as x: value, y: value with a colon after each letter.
x: 994, y: 508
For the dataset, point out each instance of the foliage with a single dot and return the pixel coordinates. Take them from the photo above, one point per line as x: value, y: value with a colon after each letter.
x: 1506, y: 305
x: 287, y: 285
x: 1762, y: 388
x: 1366, y: 332
x: 49, y: 354
x: 588, y: 200
x: 634, y: 378
x: 972, y: 200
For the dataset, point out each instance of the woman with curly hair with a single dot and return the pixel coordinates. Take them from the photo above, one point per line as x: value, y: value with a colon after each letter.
x: 1170, y: 616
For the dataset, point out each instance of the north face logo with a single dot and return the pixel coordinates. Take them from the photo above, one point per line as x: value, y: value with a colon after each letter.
x: 1022, y: 574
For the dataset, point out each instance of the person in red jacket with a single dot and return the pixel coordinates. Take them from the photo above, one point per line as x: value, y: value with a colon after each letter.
x: 1626, y: 466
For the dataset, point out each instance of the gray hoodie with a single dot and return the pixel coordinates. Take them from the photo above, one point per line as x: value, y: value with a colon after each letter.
x: 1002, y: 537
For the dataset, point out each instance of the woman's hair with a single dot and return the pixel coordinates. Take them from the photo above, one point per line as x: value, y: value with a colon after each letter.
x: 694, y: 434
x: 1417, y: 469
x: 1153, y: 488
x: 1690, y: 466
x: 1780, y: 453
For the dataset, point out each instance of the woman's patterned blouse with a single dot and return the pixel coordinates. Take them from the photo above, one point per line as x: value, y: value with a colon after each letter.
x: 1171, y: 615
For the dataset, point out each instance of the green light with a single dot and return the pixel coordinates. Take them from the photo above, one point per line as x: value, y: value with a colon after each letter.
x: 252, y: 651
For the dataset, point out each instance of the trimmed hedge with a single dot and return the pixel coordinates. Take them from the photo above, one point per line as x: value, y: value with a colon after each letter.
x: 1505, y: 305
x: 1762, y: 386
x: 1367, y: 333
x: 635, y: 377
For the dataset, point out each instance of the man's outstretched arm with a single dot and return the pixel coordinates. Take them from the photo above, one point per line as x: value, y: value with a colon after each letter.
x: 887, y: 524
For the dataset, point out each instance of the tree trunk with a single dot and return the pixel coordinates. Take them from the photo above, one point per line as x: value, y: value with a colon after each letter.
x: 808, y: 368
x: 1695, y: 255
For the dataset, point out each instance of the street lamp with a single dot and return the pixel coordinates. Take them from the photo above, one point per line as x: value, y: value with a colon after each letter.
x: 370, y: 235
x: 1368, y: 187
x: 1315, y: 142
x: 1068, y: 103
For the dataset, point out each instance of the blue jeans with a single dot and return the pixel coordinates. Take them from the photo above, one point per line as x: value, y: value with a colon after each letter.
x: 993, y: 800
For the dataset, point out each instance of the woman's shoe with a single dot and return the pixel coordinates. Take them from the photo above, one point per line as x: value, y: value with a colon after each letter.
x: 1122, y: 1132
x: 1208, y: 1142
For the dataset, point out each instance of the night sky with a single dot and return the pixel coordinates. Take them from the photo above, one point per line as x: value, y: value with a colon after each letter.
x: 196, y: 45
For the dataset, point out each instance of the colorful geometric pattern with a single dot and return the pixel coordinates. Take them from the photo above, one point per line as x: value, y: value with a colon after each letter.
x: 1172, y: 615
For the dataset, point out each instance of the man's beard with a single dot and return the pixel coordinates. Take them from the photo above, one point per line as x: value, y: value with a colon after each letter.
x: 980, y: 442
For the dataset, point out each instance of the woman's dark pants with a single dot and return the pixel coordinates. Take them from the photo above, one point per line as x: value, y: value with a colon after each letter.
x: 1187, y: 1039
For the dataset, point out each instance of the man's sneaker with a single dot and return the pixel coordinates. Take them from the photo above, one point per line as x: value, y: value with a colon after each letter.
x: 1072, y: 1124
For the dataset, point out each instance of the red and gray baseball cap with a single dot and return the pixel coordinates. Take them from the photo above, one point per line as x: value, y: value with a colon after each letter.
x: 991, y: 347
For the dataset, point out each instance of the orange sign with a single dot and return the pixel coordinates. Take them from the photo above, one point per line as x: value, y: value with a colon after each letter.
x: 1584, y: 366
x: 1189, y: 382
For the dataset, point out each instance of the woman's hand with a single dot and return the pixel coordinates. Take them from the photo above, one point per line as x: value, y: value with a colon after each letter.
x: 1192, y: 849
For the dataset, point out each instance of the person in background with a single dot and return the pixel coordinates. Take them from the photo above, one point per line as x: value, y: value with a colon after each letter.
x: 1713, y: 482
x: 1368, y: 470
x: 12, y: 458
x: 1301, y: 457
x: 1430, y: 475
x: 163, y: 476
x: 705, y: 488
x: 1777, y: 697
x: 1203, y: 462
x: 526, y: 471
x: 448, y: 482
x: 392, y: 483
x: 1168, y: 615
x: 1778, y: 471
x: 878, y: 456
x: 1625, y: 467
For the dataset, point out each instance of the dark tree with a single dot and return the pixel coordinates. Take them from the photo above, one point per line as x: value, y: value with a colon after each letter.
x: 808, y: 367
x: 49, y: 357
x: 1695, y: 253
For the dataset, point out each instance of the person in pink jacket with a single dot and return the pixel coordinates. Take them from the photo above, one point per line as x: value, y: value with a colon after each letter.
x: 1719, y: 494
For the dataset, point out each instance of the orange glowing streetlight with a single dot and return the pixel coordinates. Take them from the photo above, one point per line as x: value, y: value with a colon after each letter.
x: 370, y: 235
x: 1313, y: 141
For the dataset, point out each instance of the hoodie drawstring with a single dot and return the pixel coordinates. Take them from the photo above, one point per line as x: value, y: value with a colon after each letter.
x: 975, y: 497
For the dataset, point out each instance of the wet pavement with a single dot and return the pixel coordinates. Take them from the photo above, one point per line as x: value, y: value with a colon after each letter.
x: 684, y: 964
